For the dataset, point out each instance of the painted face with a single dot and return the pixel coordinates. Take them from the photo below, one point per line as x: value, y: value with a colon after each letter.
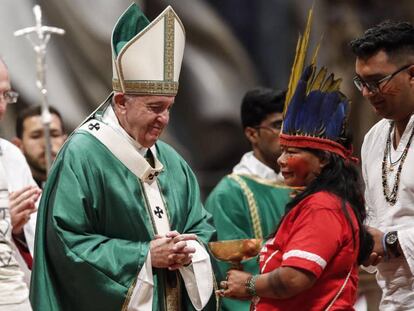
x: 145, y: 117
x: 395, y: 98
x: 298, y: 166
x: 33, y: 142
x: 4, y: 87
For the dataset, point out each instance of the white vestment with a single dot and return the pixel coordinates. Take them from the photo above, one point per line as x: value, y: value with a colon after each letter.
x: 250, y: 165
x: 14, y: 275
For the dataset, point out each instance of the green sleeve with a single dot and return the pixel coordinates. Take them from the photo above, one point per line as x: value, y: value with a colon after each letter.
x: 228, y: 205
x: 77, y: 266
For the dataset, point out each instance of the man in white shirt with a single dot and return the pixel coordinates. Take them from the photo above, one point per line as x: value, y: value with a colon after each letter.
x: 18, y: 195
x: 385, y: 76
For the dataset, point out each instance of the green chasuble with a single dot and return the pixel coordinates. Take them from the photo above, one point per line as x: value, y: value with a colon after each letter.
x: 93, y: 228
x: 245, y: 207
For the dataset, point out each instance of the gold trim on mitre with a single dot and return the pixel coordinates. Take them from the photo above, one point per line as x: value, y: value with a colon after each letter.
x: 165, y: 88
x: 166, y: 84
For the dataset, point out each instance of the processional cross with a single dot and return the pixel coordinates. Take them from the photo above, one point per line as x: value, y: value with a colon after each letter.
x: 39, y: 43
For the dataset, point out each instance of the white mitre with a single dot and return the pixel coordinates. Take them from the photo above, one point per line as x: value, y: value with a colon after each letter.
x: 146, y: 57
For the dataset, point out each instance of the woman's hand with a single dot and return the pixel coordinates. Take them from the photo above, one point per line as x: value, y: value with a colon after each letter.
x: 235, y: 285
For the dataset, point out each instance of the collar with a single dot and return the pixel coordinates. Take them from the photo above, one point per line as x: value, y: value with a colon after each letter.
x: 250, y: 165
x: 111, y: 120
x: 404, y: 136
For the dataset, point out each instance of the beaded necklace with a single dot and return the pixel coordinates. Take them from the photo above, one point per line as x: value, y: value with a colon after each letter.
x: 391, y: 198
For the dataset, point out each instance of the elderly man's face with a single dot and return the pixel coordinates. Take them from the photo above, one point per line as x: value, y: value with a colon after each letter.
x: 143, y: 117
x: 4, y: 87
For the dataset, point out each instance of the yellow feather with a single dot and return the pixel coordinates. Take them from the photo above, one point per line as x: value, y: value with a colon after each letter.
x: 335, y: 86
x: 315, y: 54
x: 290, y: 90
x: 298, y: 63
x: 311, y: 79
x: 319, y: 79
x: 327, y: 83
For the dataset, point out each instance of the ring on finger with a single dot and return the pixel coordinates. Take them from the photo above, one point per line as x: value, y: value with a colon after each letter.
x: 224, y: 285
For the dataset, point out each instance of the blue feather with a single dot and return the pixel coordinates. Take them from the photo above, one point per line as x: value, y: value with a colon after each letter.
x: 319, y: 114
x: 335, y: 124
x: 296, y: 103
x: 329, y: 104
x: 310, y: 122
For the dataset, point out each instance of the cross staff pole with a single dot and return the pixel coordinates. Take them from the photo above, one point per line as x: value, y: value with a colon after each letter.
x: 39, y: 43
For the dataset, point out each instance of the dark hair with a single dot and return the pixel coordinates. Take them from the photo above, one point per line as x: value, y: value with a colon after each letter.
x: 260, y: 102
x: 343, y: 179
x: 395, y: 38
x: 31, y: 112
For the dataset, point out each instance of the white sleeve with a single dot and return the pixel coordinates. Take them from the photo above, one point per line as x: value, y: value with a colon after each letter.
x: 406, y: 240
x: 30, y: 230
x: 141, y: 297
x: 198, y: 280
x: 198, y: 277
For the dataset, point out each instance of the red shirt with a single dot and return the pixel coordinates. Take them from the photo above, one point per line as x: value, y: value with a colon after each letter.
x: 317, y: 237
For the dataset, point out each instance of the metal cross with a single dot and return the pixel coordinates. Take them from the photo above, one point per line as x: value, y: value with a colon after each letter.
x: 158, y: 212
x: 39, y: 44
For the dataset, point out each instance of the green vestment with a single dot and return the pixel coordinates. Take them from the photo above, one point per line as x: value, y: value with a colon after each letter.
x: 93, y: 228
x: 245, y: 207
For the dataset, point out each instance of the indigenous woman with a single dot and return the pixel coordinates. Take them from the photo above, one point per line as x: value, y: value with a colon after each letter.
x: 312, y: 261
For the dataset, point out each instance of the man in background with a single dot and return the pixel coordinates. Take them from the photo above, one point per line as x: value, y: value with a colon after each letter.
x: 250, y: 202
x: 30, y: 139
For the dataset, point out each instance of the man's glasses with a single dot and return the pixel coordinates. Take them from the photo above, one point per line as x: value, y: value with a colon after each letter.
x: 10, y: 97
x: 275, y: 126
x: 375, y: 86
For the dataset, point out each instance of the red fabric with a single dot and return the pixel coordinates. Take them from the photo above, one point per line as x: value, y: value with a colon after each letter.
x: 299, y: 141
x: 315, y: 236
x: 24, y: 251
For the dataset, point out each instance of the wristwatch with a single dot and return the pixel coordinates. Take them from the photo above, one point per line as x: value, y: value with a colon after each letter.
x: 391, y: 242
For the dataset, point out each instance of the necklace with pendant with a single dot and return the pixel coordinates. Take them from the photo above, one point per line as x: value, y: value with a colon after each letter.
x: 393, y: 164
x: 391, y: 195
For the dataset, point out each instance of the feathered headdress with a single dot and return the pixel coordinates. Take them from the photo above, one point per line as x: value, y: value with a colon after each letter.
x: 315, y: 112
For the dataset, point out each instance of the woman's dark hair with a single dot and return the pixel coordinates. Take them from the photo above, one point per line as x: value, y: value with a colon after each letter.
x: 343, y: 179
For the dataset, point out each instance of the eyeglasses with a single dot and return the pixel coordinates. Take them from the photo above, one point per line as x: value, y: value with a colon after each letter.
x: 10, y: 97
x: 275, y: 126
x: 375, y: 86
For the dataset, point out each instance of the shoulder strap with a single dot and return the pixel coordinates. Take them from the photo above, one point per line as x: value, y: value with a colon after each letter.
x: 122, y: 150
x: 136, y: 163
x: 251, y: 202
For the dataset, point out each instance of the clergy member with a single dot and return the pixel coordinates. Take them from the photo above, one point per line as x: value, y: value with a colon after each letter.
x: 121, y: 225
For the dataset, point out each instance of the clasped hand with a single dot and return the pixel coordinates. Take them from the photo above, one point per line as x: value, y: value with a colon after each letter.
x: 172, y: 250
